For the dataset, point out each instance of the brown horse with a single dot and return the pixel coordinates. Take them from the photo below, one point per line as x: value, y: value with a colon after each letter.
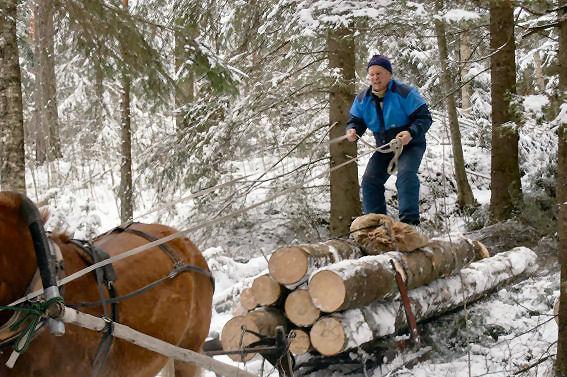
x: 177, y: 311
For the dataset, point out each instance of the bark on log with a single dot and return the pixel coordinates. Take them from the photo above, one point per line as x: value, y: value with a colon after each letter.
x: 352, y: 328
x: 300, y: 342
x: 290, y: 265
x: 261, y: 321
x: 267, y: 291
x: 247, y: 299
x: 299, y: 308
x: 355, y: 283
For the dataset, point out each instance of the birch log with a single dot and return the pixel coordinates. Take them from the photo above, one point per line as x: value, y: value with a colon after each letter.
x: 267, y: 291
x: 247, y: 299
x: 261, y: 321
x: 299, y: 308
x: 355, y: 283
x: 352, y: 328
x: 300, y: 342
x: 291, y: 265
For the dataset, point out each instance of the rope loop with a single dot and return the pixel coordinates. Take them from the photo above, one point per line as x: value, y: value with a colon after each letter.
x: 33, y: 313
x: 395, y: 146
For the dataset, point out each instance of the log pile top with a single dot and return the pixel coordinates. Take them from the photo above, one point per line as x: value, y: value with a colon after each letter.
x: 339, y: 294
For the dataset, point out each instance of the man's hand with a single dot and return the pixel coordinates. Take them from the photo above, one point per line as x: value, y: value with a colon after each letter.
x: 404, y: 136
x: 351, y: 135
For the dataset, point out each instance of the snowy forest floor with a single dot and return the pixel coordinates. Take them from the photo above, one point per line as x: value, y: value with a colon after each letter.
x: 500, y: 335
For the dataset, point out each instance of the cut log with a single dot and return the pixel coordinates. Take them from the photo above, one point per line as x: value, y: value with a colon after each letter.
x: 352, y: 328
x: 355, y: 283
x: 261, y: 321
x: 291, y: 265
x: 299, y: 342
x: 267, y: 291
x: 299, y: 308
x: 247, y: 299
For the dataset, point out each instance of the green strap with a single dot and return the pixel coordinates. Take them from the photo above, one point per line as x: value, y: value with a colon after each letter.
x: 33, y: 313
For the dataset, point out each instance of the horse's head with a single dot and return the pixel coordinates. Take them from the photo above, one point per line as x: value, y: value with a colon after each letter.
x: 17, y: 256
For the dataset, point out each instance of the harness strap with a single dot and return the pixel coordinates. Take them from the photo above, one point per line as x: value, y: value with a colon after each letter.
x: 176, y: 259
x: 172, y: 275
x: 105, y: 277
x: 167, y: 249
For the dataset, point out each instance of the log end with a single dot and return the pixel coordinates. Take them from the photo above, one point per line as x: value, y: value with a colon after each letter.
x: 247, y: 299
x: 327, y: 290
x: 288, y: 265
x: 300, y: 342
x: 299, y: 308
x: 328, y: 336
x: 266, y: 291
x: 233, y: 339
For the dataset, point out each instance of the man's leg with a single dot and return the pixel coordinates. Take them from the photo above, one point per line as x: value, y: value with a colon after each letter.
x: 373, y: 181
x: 408, y: 183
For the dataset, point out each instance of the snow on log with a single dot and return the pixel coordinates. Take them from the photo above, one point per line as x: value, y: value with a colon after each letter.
x: 342, y: 331
x: 355, y: 283
x: 290, y: 265
x: 262, y: 321
x: 267, y: 291
x: 299, y: 308
x: 299, y: 342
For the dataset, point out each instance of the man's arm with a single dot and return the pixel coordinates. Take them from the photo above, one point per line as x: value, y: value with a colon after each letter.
x: 420, y: 121
x: 355, y: 122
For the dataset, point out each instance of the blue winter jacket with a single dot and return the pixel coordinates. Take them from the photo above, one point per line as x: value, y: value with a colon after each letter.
x: 403, y: 109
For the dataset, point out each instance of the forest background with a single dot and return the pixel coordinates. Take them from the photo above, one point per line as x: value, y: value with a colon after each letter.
x: 113, y: 109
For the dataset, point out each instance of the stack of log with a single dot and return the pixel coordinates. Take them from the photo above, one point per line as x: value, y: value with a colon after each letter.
x: 340, y: 294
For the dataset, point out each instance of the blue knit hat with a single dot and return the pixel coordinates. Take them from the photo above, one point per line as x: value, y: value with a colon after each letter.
x: 380, y: 60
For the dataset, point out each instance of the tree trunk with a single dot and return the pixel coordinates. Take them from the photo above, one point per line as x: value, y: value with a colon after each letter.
x: 352, y: 328
x: 465, y: 197
x: 345, y: 197
x: 12, y: 158
x: 299, y: 308
x: 126, y: 200
x: 184, y: 89
x: 561, y: 363
x: 506, y: 189
x: 355, y: 283
x: 99, y: 95
x: 291, y: 265
x: 465, y: 54
x: 261, y: 321
x: 46, y: 80
x: 538, y: 71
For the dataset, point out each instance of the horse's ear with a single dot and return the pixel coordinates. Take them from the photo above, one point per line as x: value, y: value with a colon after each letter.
x: 44, y: 213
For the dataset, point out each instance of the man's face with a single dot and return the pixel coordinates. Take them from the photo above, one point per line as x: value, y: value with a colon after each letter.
x: 379, y: 77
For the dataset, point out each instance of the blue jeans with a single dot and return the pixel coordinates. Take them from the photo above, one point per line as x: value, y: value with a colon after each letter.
x: 407, y: 183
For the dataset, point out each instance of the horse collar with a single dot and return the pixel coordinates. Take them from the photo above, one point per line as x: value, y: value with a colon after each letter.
x: 7, y: 335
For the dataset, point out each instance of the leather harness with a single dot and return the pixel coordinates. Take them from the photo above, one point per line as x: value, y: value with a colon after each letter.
x: 105, y: 277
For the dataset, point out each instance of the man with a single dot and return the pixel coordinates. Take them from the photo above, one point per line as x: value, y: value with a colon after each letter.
x: 390, y: 109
